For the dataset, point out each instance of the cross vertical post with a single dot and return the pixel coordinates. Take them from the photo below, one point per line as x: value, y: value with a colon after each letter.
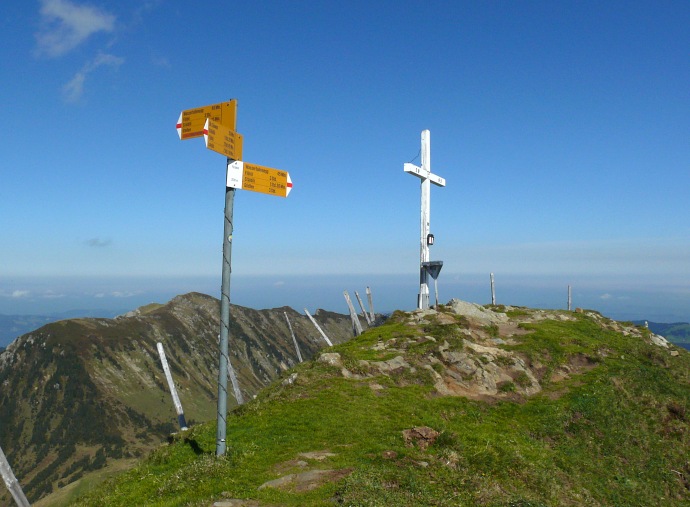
x: 423, y: 300
x: 424, y: 173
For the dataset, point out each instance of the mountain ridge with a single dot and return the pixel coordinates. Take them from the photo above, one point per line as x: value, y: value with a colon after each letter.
x: 80, y: 393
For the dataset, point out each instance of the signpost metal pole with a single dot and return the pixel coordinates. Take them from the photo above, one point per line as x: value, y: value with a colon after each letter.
x: 493, y: 292
x: 224, y: 323
x: 217, y: 124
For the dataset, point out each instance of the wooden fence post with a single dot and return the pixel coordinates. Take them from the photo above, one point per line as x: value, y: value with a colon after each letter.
x: 316, y: 325
x: 361, y: 305
x: 299, y: 354
x: 171, y: 385
x: 356, y: 325
x: 371, y: 305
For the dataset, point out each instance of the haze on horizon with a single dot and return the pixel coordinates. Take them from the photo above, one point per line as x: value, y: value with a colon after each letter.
x: 561, y: 129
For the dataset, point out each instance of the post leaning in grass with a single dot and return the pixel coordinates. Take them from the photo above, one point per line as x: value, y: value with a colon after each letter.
x: 235, y: 384
x: 171, y: 385
x: 364, y: 312
x: 318, y: 328
x: 356, y: 325
x: 299, y: 354
x: 371, y: 305
x: 11, y: 482
x: 493, y: 291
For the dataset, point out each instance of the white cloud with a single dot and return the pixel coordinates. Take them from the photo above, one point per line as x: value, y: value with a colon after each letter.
x: 279, y: 284
x: 123, y: 294
x: 50, y: 294
x: 73, y: 90
x: 605, y: 296
x: 20, y: 293
x: 65, y: 25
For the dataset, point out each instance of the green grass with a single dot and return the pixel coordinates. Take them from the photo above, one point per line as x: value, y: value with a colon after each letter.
x: 615, y: 434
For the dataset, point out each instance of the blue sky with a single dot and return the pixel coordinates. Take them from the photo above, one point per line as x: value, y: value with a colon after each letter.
x: 561, y: 128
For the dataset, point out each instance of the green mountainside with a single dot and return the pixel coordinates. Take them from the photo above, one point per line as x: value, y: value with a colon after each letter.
x: 677, y: 332
x: 85, y: 395
x: 464, y: 406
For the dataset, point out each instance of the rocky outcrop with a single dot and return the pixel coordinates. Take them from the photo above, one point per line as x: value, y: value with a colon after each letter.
x: 475, y: 360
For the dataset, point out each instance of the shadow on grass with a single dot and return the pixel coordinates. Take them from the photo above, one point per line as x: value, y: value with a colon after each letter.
x: 195, y: 446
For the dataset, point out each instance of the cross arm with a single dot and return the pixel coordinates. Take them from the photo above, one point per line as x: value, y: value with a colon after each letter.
x: 422, y: 174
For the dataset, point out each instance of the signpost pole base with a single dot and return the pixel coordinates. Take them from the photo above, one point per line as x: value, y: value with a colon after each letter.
x: 224, y: 324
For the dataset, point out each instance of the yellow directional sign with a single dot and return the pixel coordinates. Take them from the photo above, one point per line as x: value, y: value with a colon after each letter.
x: 191, y: 121
x: 258, y: 178
x: 222, y: 140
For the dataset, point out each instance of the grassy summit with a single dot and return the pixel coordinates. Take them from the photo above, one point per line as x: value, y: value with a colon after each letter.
x: 496, y: 406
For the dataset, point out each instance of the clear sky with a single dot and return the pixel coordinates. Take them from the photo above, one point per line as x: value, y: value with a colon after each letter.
x: 561, y: 128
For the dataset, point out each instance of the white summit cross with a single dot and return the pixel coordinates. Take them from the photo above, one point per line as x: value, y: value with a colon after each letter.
x: 425, y: 239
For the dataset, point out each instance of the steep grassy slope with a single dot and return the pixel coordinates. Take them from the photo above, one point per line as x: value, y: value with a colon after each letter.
x: 77, y: 395
x: 465, y: 406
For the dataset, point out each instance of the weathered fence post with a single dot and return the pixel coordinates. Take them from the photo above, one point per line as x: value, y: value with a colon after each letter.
x: 171, y: 385
x: 569, y: 299
x: 299, y: 354
x: 356, y: 325
x: 364, y: 312
x: 371, y: 305
x: 11, y: 482
x: 234, y: 382
x: 493, y: 292
x: 316, y: 325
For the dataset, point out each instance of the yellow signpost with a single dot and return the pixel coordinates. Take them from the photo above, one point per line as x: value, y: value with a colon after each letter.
x: 218, y: 124
x: 191, y: 121
x: 258, y: 178
x: 223, y: 140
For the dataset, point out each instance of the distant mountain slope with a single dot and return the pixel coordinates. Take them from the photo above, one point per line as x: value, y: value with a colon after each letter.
x: 467, y: 406
x: 79, y: 393
x: 678, y: 332
x: 12, y: 326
